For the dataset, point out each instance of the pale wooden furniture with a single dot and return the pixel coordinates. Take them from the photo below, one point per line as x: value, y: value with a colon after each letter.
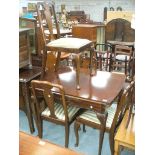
x: 30, y: 145
x: 127, y: 15
x: 125, y: 136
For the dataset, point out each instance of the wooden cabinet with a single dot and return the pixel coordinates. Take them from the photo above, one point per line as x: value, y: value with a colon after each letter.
x: 24, y: 52
x: 86, y: 31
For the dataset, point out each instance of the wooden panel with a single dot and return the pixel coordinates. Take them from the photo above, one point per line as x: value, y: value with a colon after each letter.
x: 85, y: 31
x: 119, y: 30
x: 24, y: 53
x: 30, y: 145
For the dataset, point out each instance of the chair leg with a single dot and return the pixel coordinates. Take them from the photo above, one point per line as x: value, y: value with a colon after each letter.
x: 76, y: 128
x: 34, y: 112
x: 40, y: 128
x: 111, y: 141
x: 66, y: 135
x: 84, y: 128
x: 101, y: 141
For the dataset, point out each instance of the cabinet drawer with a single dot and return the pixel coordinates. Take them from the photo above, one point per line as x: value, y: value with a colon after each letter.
x: 22, y: 40
x: 23, y: 56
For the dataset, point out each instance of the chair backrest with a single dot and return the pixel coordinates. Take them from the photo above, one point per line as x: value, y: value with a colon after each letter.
x: 123, y: 50
x: 123, y: 103
x: 48, y: 13
x: 46, y: 90
x: 119, y: 30
x: 45, y: 11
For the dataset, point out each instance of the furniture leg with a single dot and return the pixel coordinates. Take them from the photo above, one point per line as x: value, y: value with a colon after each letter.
x: 100, y: 62
x: 77, y: 59
x: 57, y: 61
x: 91, y: 61
x: 35, y: 115
x: 116, y: 152
x: 101, y: 141
x: 66, y: 135
x: 76, y: 128
x: 102, y: 118
x: 111, y: 140
x: 26, y: 93
x: 84, y: 128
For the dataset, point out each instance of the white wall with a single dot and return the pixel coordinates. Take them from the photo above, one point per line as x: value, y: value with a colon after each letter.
x: 93, y: 7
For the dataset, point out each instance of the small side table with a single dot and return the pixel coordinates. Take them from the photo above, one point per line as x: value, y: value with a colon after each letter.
x: 27, y: 74
x: 125, y: 136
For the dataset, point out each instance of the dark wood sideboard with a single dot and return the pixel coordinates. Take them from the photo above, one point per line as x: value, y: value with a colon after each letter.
x: 24, y: 51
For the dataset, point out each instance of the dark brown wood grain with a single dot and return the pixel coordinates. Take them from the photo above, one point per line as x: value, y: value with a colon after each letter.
x: 97, y: 91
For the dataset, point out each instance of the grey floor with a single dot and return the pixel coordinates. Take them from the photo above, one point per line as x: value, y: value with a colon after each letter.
x: 88, y: 142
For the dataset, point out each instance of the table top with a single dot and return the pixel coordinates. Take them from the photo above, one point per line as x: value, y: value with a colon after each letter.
x: 102, y: 88
x: 126, y: 136
x: 30, y: 145
x: 26, y: 74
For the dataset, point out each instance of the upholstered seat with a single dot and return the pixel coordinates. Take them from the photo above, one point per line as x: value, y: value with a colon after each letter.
x: 59, y: 111
x: 91, y: 116
x: 122, y: 57
x: 72, y: 43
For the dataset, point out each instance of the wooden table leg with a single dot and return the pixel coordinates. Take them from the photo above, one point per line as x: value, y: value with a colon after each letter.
x: 25, y: 90
x: 57, y: 61
x: 116, y: 148
x: 77, y: 59
x: 91, y: 61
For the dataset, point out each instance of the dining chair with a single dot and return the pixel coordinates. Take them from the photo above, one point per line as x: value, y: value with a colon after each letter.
x: 69, y: 45
x: 103, y: 54
x: 50, y: 33
x: 115, y: 114
x: 55, y: 111
x: 122, y: 59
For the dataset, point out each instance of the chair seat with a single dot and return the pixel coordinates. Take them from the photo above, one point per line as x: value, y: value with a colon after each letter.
x: 122, y: 57
x: 59, y: 111
x: 91, y: 116
x: 62, y: 31
x: 70, y: 43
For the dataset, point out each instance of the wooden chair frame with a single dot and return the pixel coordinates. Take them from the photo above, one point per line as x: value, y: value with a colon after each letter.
x: 42, y: 91
x: 120, y: 112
